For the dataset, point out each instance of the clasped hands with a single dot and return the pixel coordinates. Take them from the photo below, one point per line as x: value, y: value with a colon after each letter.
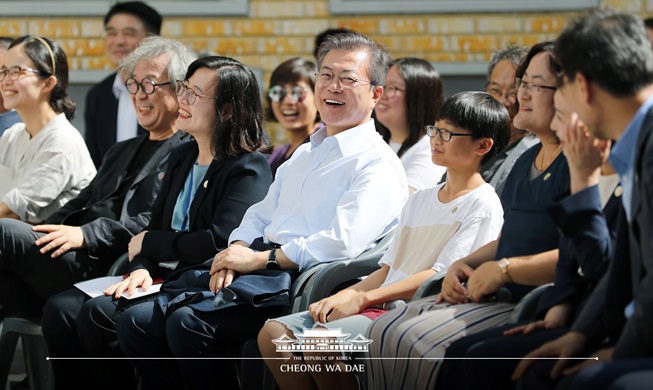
x: 237, y: 259
x: 482, y: 281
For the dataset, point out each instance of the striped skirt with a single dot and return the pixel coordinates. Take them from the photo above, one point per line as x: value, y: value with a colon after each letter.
x: 409, y: 342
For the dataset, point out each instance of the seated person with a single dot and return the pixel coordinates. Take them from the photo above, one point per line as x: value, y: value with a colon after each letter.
x: 458, y: 217
x: 291, y: 103
x: 83, y: 238
x: 44, y: 162
x: 7, y: 117
x: 424, y: 328
x: 585, y: 249
x: 412, y: 98
x: 209, y: 184
x: 333, y: 199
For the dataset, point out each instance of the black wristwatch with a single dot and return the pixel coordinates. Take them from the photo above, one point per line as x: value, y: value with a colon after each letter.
x: 272, y: 262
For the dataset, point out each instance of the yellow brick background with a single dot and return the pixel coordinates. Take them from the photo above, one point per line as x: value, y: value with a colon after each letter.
x: 276, y: 30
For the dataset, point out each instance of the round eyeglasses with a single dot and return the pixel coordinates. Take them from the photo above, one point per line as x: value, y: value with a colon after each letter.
x: 189, y: 95
x: 278, y: 93
x: 445, y: 135
x: 14, y: 72
x: 324, y: 79
x: 146, y: 85
x: 530, y: 86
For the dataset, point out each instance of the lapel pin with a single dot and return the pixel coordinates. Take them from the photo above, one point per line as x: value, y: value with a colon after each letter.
x: 547, y: 176
x: 206, y: 183
x: 618, y: 191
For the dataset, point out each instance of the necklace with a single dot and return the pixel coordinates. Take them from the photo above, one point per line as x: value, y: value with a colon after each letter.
x: 553, y: 157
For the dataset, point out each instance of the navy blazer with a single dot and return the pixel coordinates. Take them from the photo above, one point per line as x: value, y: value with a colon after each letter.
x: 630, y: 274
x: 230, y: 186
x: 106, y: 238
x: 100, y: 119
x: 586, y: 246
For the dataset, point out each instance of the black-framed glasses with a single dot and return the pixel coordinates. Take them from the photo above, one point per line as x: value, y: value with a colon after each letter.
x: 324, y: 79
x: 445, y: 135
x: 529, y: 86
x: 190, y: 95
x: 14, y: 72
x: 146, y: 85
x: 278, y: 93
x: 391, y: 90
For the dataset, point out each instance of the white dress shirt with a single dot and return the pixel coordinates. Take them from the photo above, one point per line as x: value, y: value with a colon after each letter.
x: 40, y: 174
x: 332, y: 200
x: 126, y: 122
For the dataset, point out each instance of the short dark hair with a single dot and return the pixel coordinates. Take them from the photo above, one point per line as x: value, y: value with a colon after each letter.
x: 482, y: 115
x: 319, y: 38
x: 542, y: 47
x: 148, y: 15
x: 237, y: 94
x: 43, y: 52
x: 424, y: 97
x: 291, y: 71
x: 610, y: 49
x: 353, y: 41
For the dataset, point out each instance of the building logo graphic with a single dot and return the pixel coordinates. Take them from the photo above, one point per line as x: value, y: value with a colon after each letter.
x: 320, y: 340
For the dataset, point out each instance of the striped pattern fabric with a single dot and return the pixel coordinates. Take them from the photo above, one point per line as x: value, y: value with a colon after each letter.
x: 411, y: 340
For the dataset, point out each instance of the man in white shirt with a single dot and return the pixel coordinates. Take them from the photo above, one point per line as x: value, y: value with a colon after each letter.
x: 340, y: 192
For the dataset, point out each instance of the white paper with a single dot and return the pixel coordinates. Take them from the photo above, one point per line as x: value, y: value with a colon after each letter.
x: 95, y: 287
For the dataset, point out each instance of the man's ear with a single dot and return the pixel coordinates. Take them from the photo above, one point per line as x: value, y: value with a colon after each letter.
x: 484, y: 146
x: 585, y: 88
x: 377, y: 92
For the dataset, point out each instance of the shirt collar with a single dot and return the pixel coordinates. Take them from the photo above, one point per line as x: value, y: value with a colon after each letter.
x: 348, y: 141
x: 118, y: 86
x: 622, y: 156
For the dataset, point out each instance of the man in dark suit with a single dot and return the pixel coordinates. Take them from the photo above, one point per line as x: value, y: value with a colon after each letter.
x: 109, y: 116
x: 608, y: 80
x: 82, y: 239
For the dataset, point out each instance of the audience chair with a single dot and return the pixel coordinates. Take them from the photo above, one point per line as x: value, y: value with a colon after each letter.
x: 39, y: 369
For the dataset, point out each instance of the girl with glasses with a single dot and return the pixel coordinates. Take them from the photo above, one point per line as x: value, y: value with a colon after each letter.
x: 291, y: 103
x: 44, y: 161
x: 412, y: 97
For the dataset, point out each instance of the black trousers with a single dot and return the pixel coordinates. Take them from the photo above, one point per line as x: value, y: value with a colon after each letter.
x: 200, y: 343
x: 28, y: 277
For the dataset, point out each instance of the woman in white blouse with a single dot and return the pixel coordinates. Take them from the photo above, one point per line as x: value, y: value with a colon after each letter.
x: 44, y: 161
x: 412, y: 97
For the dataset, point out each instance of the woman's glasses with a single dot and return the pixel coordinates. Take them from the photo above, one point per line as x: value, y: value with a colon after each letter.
x: 15, y: 71
x: 278, y: 93
x: 190, y: 95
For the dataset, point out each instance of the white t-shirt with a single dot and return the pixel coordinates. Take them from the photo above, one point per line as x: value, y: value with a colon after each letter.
x: 432, y: 234
x: 41, y: 174
x: 421, y: 172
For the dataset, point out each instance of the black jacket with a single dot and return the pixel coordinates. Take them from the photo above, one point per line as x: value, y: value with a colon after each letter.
x: 106, y: 238
x: 226, y: 192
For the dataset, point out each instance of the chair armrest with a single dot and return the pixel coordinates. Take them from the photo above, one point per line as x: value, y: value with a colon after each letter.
x: 431, y: 286
x: 120, y: 266
x: 526, y: 309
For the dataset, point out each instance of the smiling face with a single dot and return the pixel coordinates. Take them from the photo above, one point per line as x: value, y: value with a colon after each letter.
x: 123, y: 34
x: 296, y: 115
x: 561, y: 117
x: 502, y: 86
x: 199, y: 118
x: 459, y: 152
x: 28, y: 90
x: 392, y: 111
x: 156, y: 112
x: 344, y: 108
x: 536, y: 107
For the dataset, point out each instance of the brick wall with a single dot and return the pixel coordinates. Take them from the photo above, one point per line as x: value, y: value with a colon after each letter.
x: 276, y: 30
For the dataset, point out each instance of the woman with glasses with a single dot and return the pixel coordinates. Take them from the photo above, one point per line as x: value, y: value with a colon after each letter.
x: 412, y: 97
x: 423, y: 329
x: 291, y: 103
x: 209, y: 184
x: 437, y: 226
x: 44, y: 161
